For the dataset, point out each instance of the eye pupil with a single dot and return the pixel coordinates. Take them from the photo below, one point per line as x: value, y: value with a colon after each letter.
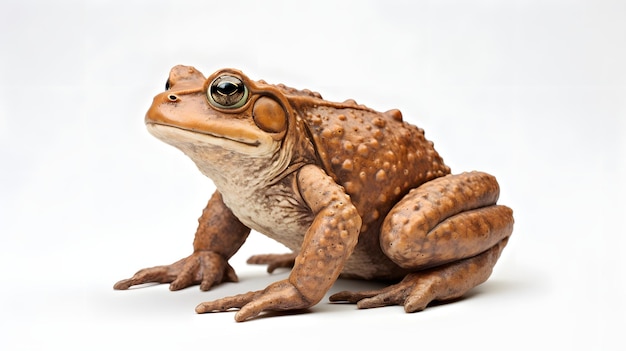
x: 228, y: 88
x: 227, y: 92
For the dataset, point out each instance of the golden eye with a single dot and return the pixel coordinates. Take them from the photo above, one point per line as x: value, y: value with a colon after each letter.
x: 227, y: 92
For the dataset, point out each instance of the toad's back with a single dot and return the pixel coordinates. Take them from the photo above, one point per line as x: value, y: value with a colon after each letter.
x: 377, y: 157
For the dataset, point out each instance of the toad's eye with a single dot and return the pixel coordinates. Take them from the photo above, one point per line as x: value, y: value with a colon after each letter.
x: 227, y: 92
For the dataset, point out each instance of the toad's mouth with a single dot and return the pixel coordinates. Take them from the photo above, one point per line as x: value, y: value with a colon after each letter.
x: 250, y: 143
x: 190, y: 139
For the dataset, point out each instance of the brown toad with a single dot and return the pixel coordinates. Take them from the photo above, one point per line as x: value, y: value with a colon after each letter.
x: 352, y: 191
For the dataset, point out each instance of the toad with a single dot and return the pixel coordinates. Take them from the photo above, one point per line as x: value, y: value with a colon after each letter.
x: 352, y: 192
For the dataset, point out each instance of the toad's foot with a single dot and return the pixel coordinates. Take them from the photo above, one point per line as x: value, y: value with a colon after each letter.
x: 279, y: 296
x: 274, y: 261
x: 202, y: 267
x: 441, y: 283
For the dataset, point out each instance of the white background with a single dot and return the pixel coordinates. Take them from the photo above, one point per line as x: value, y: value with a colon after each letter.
x: 531, y: 91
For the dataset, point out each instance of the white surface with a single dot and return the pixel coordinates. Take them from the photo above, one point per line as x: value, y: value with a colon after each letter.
x: 531, y: 91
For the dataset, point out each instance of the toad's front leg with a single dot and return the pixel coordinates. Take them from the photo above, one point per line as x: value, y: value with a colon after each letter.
x: 449, y: 232
x: 328, y: 243
x: 218, y: 237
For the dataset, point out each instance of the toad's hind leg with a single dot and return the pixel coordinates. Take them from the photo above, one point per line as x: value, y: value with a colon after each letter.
x: 449, y: 232
x: 417, y: 290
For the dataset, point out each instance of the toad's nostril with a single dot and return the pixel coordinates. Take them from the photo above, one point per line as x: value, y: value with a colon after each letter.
x: 167, y: 84
x: 172, y: 97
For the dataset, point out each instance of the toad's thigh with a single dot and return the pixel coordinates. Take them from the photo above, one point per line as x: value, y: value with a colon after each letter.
x: 445, y: 220
x: 461, y: 236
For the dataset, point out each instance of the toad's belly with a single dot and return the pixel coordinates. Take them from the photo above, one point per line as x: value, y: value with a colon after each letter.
x: 281, y: 217
x: 277, y: 215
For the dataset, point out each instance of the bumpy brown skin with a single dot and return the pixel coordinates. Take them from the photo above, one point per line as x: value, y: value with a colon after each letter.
x: 352, y: 191
x: 459, y: 216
